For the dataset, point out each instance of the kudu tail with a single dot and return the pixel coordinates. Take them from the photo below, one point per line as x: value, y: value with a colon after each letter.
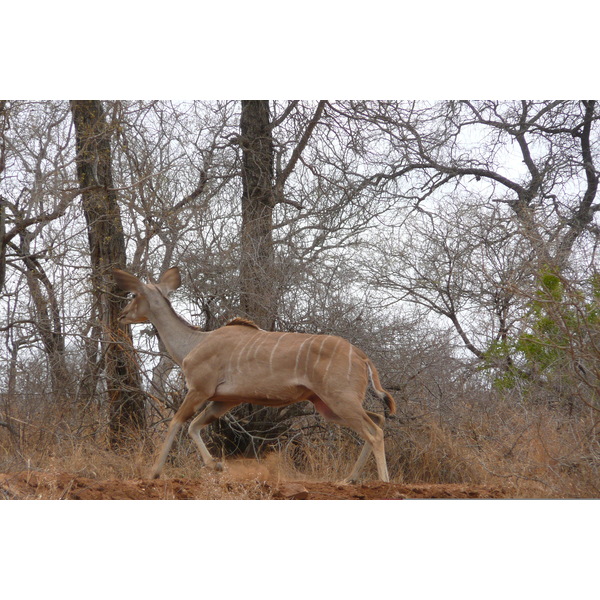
x: 376, y: 385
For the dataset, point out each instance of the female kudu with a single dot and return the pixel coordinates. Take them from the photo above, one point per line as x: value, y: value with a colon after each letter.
x: 242, y: 363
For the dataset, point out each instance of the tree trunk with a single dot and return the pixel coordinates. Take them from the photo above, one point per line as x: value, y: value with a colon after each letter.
x: 257, y: 274
x: 48, y: 322
x: 254, y: 427
x: 107, y: 249
x: 3, y: 127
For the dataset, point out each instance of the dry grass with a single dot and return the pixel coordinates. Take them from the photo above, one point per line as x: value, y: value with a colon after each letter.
x: 535, y: 452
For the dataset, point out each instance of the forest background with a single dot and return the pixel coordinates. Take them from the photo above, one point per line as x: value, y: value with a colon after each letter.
x: 458, y: 50
x: 454, y: 241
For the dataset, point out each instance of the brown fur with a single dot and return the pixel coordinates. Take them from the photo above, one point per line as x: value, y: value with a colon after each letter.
x: 244, y: 322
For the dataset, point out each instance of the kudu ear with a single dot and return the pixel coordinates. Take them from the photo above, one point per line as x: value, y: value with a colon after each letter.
x: 126, y: 281
x: 170, y: 280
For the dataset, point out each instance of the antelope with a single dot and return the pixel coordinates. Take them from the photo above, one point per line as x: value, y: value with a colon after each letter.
x: 240, y: 362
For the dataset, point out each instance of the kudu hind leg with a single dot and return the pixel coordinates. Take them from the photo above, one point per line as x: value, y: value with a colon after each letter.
x: 379, y: 421
x: 351, y: 414
x: 190, y: 405
x: 378, y: 447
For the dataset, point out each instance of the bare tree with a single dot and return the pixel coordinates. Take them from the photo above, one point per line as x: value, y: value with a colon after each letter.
x: 464, y: 264
x: 36, y: 194
x: 536, y: 158
x: 3, y: 128
x: 48, y: 319
x: 489, y: 194
x: 257, y: 293
x: 107, y: 249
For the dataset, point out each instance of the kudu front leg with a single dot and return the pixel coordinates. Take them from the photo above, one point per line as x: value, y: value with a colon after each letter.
x: 211, y: 413
x: 191, y: 403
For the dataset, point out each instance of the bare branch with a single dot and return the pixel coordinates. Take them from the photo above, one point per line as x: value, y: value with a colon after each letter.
x: 297, y: 152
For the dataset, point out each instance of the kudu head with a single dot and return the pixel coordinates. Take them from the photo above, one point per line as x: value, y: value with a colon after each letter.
x: 148, y: 298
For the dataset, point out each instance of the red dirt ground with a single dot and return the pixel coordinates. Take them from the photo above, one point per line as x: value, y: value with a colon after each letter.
x: 33, y: 485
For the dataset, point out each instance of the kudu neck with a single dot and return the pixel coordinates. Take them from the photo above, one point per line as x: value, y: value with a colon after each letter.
x: 178, y: 336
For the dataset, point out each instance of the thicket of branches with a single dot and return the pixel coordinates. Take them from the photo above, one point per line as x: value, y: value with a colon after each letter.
x: 455, y: 242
